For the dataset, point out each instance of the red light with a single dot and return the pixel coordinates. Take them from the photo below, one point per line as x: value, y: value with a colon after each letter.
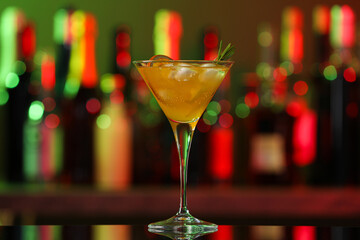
x: 49, y: 104
x: 280, y: 74
x: 93, y: 105
x: 211, y: 40
x: 210, y: 55
x: 202, y: 126
x: 120, y: 81
x: 28, y: 41
x: 304, y: 138
x: 322, y: 19
x: 52, y: 121
x: 296, y: 46
x: 348, y: 26
x: 224, y: 232
x: 89, y: 74
x: 296, y: 108
x: 352, y: 110
x: 350, y: 75
x: 48, y: 73
x: 123, y: 59
x: 293, y: 18
x: 300, y: 88
x: 251, y: 99
x: 304, y: 233
x: 226, y: 120
x: 123, y: 40
x: 175, y: 33
x: 117, y: 97
x: 221, y: 153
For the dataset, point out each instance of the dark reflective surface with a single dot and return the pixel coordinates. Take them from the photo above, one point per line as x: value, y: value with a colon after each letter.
x: 140, y: 232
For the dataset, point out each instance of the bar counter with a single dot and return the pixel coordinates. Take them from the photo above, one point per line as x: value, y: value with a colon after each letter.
x: 229, y: 206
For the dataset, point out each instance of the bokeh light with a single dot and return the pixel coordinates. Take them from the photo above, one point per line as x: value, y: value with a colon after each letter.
x: 52, y: 121
x: 93, y: 105
x: 251, y: 99
x: 103, y: 121
x: 350, y: 75
x: 330, y: 73
x: 242, y: 110
x: 300, y: 88
x: 36, y: 110
x: 12, y: 80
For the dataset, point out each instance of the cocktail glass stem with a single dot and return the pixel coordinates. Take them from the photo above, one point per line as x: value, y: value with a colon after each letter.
x: 183, y: 221
x: 183, y: 133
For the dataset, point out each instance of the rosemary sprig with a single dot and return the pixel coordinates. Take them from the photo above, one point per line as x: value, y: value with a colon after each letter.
x: 226, y: 54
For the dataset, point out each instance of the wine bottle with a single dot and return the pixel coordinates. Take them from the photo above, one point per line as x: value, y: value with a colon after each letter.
x: 298, y: 105
x: 269, y: 125
x: 17, y: 83
x: 344, y: 96
x: 114, y: 137
x: 321, y: 28
x: 220, y: 136
x: 83, y: 103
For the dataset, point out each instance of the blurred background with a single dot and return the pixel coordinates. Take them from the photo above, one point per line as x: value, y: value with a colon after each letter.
x: 75, y: 113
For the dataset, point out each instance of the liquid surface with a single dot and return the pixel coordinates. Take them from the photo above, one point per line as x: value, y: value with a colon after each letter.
x: 183, y: 90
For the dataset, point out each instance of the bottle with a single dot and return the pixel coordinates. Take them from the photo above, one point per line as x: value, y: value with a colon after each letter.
x: 17, y: 82
x: 269, y: 126
x: 298, y: 105
x: 113, y: 131
x: 344, y: 96
x: 220, y: 136
x: 321, y: 27
x: 83, y: 104
x: 63, y: 45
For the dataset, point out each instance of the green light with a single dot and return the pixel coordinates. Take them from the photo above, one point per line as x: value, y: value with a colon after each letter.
x: 12, y: 80
x: 107, y: 83
x: 4, y: 96
x: 265, y: 39
x: 288, y: 66
x: 60, y: 24
x: 284, y: 46
x: 213, y: 108
x: 242, y: 110
x: 335, y: 27
x: 330, y: 73
x: 31, y: 150
x: 36, y: 110
x: 71, y: 88
x: 161, y: 45
x: 263, y: 70
x: 8, y: 30
x: 209, y: 119
x: 154, y: 104
x: 103, y: 121
x: 20, y: 68
x: 31, y: 232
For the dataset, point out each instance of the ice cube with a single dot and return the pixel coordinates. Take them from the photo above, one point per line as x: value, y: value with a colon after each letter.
x: 210, y: 75
x: 184, y: 74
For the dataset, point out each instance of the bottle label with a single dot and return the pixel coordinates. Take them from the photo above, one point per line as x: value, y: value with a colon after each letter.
x: 268, y: 153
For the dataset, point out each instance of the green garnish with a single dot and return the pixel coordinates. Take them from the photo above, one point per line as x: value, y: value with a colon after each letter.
x: 226, y: 54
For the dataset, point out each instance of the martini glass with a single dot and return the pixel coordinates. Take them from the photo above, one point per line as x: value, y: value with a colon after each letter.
x: 183, y: 89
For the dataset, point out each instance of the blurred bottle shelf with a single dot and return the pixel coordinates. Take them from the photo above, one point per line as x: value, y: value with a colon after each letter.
x: 225, y: 205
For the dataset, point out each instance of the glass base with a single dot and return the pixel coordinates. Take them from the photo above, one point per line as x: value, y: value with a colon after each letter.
x: 183, y: 224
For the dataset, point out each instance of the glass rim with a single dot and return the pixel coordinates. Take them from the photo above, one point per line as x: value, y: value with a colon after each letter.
x: 183, y: 61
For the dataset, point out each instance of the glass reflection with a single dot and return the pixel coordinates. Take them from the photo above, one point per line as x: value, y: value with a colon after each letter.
x: 140, y: 232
